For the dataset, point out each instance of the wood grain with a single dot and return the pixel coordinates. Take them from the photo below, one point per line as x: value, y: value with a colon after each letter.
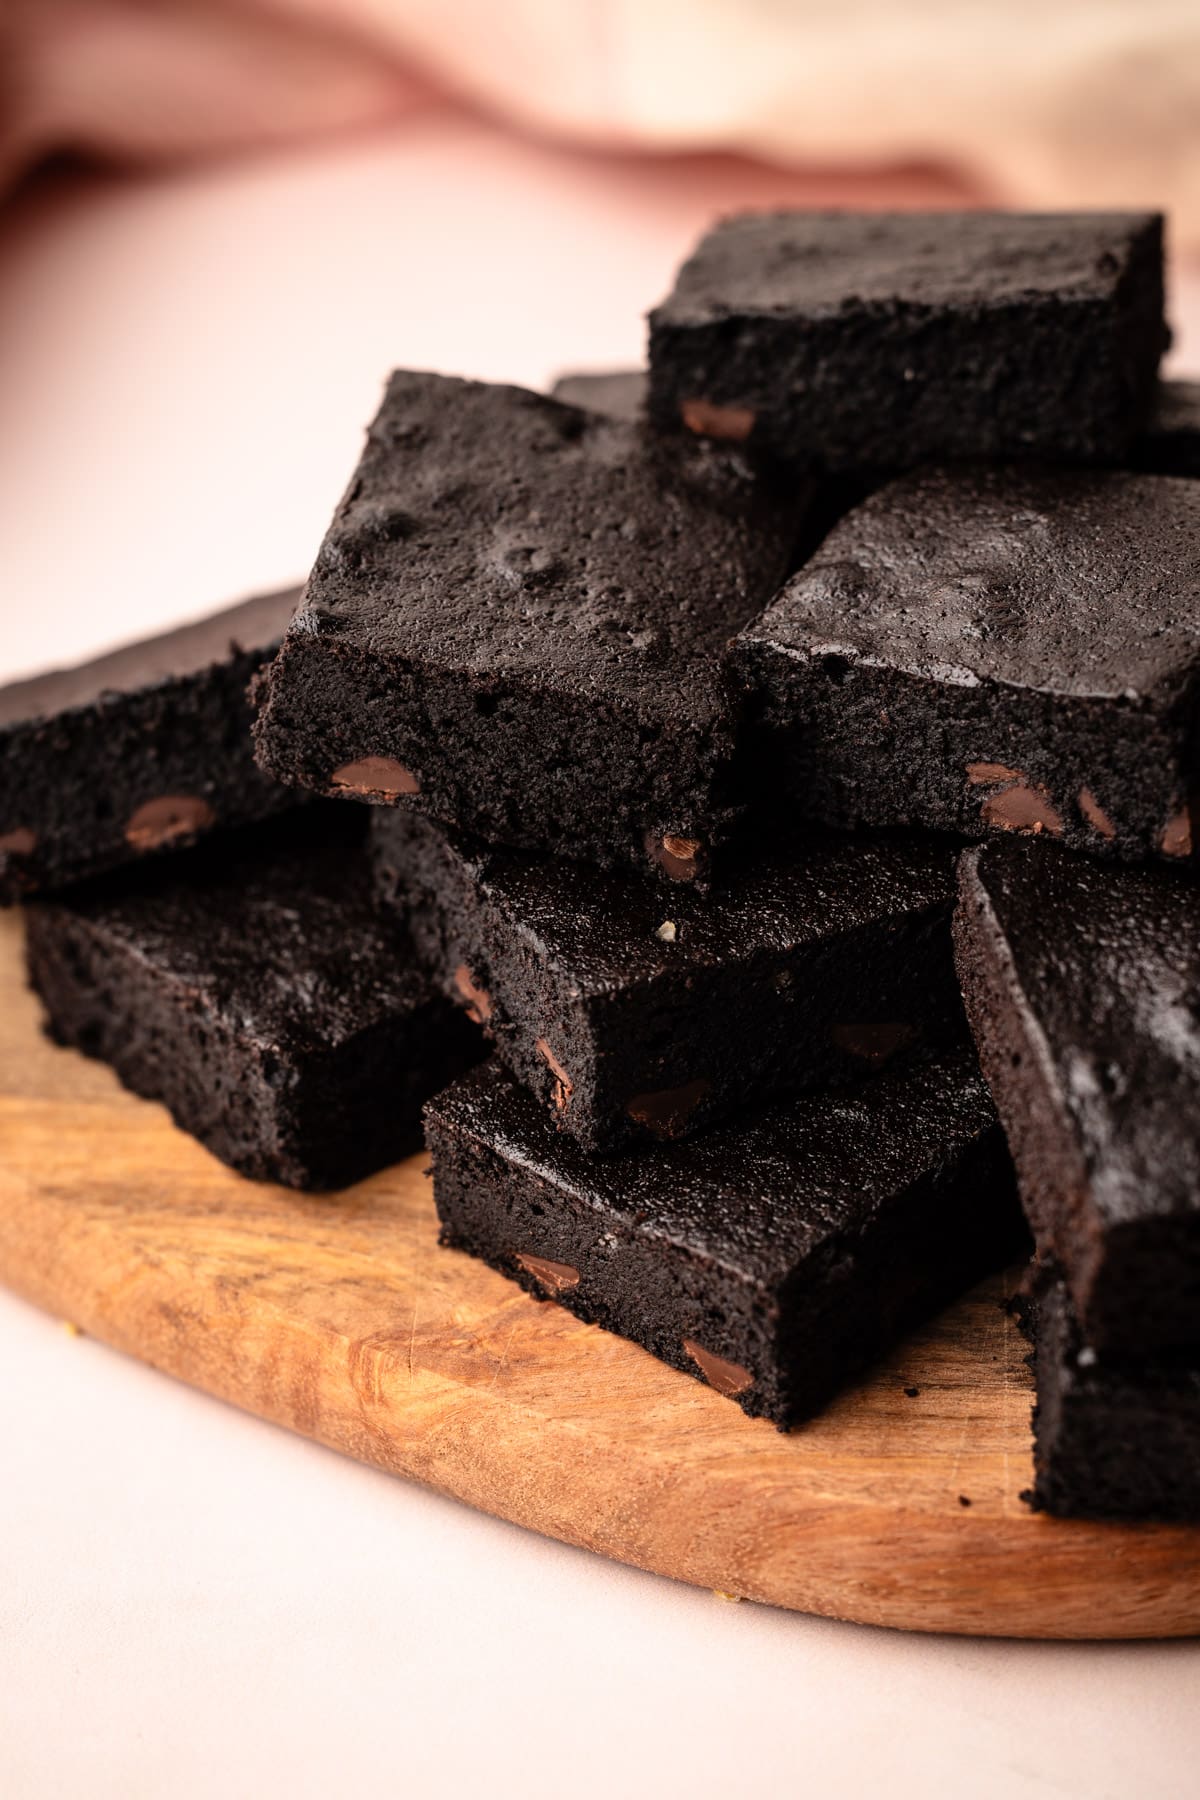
x: 340, y: 1318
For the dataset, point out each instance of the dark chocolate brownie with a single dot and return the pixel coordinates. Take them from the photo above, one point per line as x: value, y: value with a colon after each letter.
x: 620, y: 393
x: 252, y: 989
x: 1112, y: 1438
x: 634, y: 1013
x: 774, y: 1258
x: 141, y: 750
x: 992, y: 650
x: 850, y: 341
x: 516, y: 624
x: 1082, y: 986
x: 1170, y: 445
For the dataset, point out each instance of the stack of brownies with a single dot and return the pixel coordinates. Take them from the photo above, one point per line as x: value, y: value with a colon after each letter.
x: 672, y: 699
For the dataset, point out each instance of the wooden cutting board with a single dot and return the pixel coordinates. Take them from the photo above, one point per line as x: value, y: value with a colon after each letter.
x: 342, y: 1319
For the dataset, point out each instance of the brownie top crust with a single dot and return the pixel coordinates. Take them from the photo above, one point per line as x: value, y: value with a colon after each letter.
x: 1082, y: 585
x: 763, y: 1195
x: 821, y: 263
x: 1104, y: 966
x: 605, y: 930
x: 496, y: 532
x: 275, y: 932
x: 256, y: 624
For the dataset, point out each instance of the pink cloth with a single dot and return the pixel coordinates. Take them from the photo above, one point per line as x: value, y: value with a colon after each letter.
x: 1085, y: 105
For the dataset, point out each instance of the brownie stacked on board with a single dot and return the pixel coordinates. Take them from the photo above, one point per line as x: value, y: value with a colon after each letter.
x: 671, y: 700
x: 196, y: 926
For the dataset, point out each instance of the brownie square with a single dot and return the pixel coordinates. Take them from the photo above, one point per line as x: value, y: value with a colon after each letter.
x: 1170, y: 444
x: 1112, y: 1438
x: 852, y: 341
x: 773, y: 1259
x: 516, y: 624
x: 253, y: 991
x: 992, y: 651
x: 1082, y: 987
x: 636, y: 1014
x: 142, y: 750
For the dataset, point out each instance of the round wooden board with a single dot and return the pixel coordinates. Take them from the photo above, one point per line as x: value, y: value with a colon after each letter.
x: 342, y: 1319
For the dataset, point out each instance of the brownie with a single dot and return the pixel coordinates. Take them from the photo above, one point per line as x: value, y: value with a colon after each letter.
x: 516, y: 624
x: 620, y: 393
x: 1112, y: 1438
x: 774, y: 1258
x: 1170, y: 445
x: 633, y: 1013
x: 851, y: 341
x: 142, y: 750
x: 252, y: 989
x: 983, y: 651
x: 1082, y: 987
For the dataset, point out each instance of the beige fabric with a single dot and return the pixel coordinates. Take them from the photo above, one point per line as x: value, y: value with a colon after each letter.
x: 1077, y: 102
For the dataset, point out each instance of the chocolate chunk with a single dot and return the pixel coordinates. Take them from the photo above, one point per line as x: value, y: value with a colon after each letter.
x: 375, y: 778
x: 677, y: 857
x: 564, y: 1087
x: 478, y: 1000
x: 19, y: 842
x: 1022, y: 808
x: 168, y: 819
x: 1095, y: 814
x: 729, y: 1378
x: 734, y: 423
x: 1177, y: 838
x: 556, y: 1277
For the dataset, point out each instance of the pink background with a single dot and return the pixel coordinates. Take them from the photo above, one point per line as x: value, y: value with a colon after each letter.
x: 192, y: 1603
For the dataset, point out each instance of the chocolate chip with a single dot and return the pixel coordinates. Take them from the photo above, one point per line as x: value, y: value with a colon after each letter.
x: 675, y: 855
x: 1095, y: 814
x: 20, y: 842
x: 557, y: 1277
x: 1176, y: 839
x: 873, y: 1043
x: 729, y: 1378
x: 986, y: 774
x: 168, y: 819
x: 1023, y: 808
x: 733, y: 424
x: 375, y: 778
x: 476, y: 1000
x: 666, y: 1112
x: 564, y: 1087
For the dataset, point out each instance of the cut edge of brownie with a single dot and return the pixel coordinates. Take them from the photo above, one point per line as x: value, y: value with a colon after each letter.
x: 781, y: 1352
x: 316, y: 1117
x: 680, y: 1046
x: 1113, y: 1438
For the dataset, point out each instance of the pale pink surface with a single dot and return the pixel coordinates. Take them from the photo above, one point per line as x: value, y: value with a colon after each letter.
x: 191, y: 1603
